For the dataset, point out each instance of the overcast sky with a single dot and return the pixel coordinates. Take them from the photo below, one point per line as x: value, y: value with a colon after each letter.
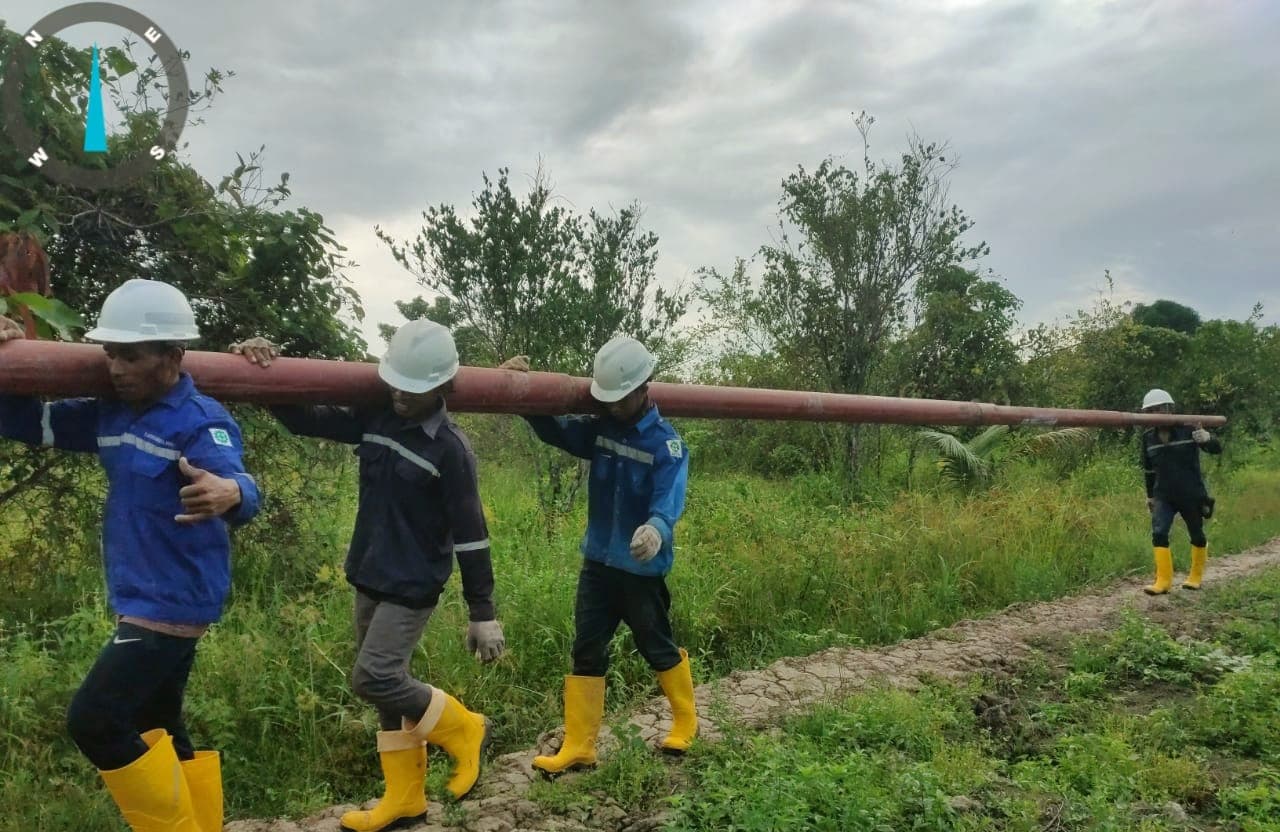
x: 1139, y: 137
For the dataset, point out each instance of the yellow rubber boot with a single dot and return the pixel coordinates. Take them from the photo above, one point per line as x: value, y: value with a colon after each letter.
x: 461, y: 733
x: 583, y: 712
x: 1164, y: 572
x: 151, y: 792
x: 204, y: 780
x: 677, y: 684
x: 404, y: 768
x: 1199, y: 556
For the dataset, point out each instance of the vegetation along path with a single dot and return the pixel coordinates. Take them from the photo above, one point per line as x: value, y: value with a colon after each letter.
x: 992, y: 645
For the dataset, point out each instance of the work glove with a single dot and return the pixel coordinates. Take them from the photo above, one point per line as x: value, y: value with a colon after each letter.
x: 485, y: 640
x: 519, y: 363
x: 645, y: 543
x: 10, y: 330
x: 1200, y: 435
x: 1151, y: 504
x: 258, y: 351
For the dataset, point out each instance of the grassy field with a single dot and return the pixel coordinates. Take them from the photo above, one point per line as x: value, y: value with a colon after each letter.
x: 764, y: 569
x: 1167, y: 724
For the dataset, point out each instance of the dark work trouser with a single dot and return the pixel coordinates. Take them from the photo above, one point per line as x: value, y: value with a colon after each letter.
x: 1162, y: 521
x: 386, y: 636
x: 609, y: 596
x: 136, y: 684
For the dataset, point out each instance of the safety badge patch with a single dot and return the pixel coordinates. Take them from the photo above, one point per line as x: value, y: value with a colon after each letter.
x: 220, y: 437
x: 675, y: 447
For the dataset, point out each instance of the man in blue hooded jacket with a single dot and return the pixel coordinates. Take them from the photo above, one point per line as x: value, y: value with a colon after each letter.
x: 175, y: 481
x: 635, y: 495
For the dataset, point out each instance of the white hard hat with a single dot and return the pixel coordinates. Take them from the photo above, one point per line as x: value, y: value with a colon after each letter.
x: 145, y: 310
x: 420, y: 357
x: 622, y: 365
x: 1156, y: 397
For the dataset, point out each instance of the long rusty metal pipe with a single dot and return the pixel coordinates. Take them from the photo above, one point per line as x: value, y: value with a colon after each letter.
x: 43, y: 368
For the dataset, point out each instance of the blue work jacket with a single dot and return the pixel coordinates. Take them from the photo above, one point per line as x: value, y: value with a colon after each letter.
x: 156, y: 568
x: 639, y: 475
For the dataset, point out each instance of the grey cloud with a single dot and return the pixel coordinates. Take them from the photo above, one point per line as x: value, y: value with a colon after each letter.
x: 1136, y: 135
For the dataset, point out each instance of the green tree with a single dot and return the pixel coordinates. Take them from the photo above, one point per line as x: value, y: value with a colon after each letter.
x: 851, y: 245
x: 1229, y: 368
x: 1101, y: 358
x: 249, y: 266
x: 1169, y: 315
x: 961, y: 348
x: 530, y: 276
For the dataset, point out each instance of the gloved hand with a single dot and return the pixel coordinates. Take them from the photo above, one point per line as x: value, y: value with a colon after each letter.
x: 10, y: 329
x: 1151, y: 504
x: 1200, y: 435
x: 519, y: 363
x: 645, y: 543
x: 258, y: 351
x: 485, y: 640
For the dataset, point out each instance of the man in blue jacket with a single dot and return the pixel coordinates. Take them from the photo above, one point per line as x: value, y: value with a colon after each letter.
x: 636, y: 493
x: 175, y: 481
x: 419, y: 510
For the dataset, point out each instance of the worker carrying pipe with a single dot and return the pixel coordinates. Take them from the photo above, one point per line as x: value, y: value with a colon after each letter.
x: 1170, y: 458
x: 639, y: 475
x: 175, y: 481
x: 419, y: 510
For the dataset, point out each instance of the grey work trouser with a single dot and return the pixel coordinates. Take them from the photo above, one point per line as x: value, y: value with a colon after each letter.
x: 386, y: 635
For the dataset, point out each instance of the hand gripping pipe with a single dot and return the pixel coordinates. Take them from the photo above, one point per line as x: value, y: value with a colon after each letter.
x: 43, y: 368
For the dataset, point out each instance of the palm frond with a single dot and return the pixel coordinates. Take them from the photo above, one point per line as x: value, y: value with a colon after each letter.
x: 1063, y: 440
x: 956, y: 462
x: 984, y: 443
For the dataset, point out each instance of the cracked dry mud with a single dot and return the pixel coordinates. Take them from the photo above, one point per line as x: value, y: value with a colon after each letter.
x: 757, y: 698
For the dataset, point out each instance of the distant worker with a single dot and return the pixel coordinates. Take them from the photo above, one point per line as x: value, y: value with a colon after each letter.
x: 419, y: 509
x: 1175, y: 485
x: 636, y: 493
x: 175, y: 481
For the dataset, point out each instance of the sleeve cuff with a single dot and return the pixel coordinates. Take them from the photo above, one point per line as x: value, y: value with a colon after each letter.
x: 663, y: 527
x: 248, y: 499
x: 482, y: 611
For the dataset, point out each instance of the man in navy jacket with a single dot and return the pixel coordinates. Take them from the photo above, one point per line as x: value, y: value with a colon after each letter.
x: 419, y: 510
x: 1170, y: 459
x: 175, y: 481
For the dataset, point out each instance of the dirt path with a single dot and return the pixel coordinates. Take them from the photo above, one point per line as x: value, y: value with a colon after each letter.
x: 757, y: 698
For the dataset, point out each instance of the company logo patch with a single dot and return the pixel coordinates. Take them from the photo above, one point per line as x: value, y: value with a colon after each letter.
x: 220, y: 437
x: 675, y: 447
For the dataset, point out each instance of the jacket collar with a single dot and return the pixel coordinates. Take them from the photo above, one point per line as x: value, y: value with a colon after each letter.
x: 184, y: 389
x: 431, y: 424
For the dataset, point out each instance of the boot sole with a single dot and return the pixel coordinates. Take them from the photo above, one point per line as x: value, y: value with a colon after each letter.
x: 401, y: 823
x: 1159, y: 592
x: 552, y: 775
x: 1192, y: 588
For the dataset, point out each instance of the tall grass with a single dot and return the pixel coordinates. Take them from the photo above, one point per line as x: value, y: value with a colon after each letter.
x: 764, y: 569
x: 1134, y: 729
